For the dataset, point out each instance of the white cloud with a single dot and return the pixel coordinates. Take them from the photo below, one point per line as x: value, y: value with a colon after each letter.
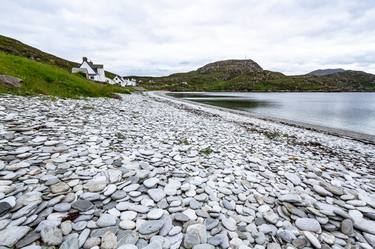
x: 165, y: 36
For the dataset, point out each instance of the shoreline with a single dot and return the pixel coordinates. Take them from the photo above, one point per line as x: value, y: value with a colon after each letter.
x: 357, y: 136
x: 101, y: 172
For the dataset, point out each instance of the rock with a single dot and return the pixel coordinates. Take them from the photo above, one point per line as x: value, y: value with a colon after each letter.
x: 195, y: 234
x: 203, y: 246
x: 156, y: 194
x: 52, y: 236
x: 151, y: 182
x: 291, y: 198
x: 308, y: 224
x: 347, y: 227
x: 106, y: 220
x: 70, y: 243
x: 128, y: 215
x: 122, y: 206
x: 91, y: 242
x: 4, y: 208
x: 151, y: 226
x: 66, y: 227
x: 82, y: 205
x: 12, y: 234
x: 313, y: 239
x: 127, y: 224
x: 362, y: 224
x: 10, y: 81
x: 155, y: 214
x: 293, y: 178
x: 59, y: 187
x: 229, y: 223
x: 109, y: 241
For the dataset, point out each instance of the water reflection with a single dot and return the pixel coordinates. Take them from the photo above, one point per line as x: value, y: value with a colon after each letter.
x: 350, y: 111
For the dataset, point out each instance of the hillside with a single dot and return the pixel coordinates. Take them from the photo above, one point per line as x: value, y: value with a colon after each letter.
x: 15, y: 47
x: 42, y: 78
x: 247, y: 75
x: 322, y: 72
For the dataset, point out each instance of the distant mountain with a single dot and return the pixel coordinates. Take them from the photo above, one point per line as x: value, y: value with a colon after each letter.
x: 247, y: 75
x: 322, y: 72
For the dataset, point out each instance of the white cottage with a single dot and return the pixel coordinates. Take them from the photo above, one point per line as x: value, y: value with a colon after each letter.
x: 93, y: 71
x: 118, y: 80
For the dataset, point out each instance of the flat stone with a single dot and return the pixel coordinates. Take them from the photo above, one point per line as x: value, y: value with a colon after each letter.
x: 308, y: 224
x: 151, y: 226
x: 347, y: 227
x: 109, y: 241
x: 155, y: 214
x: 52, y: 236
x: 59, y: 187
x: 293, y: 178
x: 4, y: 208
x: 82, y: 205
x: 128, y: 215
x: 122, y: 206
x: 156, y: 194
x: 313, y: 239
x: 127, y: 224
x: 151, y: 182
x: 11, y: 235
x: 70, y: 243
x: 106, y: 220
x: 195, y: 234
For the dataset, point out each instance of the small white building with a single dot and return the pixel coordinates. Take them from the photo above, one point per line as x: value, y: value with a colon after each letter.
x: 130, y: 82
x: 92, y: 71
x: 118, y: 80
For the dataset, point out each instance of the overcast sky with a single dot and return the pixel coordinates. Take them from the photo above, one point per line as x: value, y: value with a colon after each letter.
x: 159, y: 37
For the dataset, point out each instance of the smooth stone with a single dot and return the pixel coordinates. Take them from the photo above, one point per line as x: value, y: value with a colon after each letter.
x: 82, y: 205
x: 127, y: 224
x: 62, y: 207
x: 313, y: 239
x: 203, y: 246
x: 347, y: 227
x: 293, y: 178
x: 70, y: 243
x: 11, y: 235
x: 128, y: 215
x: 156, y: 194
x: 122, y: 206
x: 4, y: 208
x: 109, y: 241
x: 59, y: 187
x: 308, y: 224
x: 151, y: 182
x: 151, y: 226
x: 195, y: 234
x: 106, y: 220
x: 155, y: 214
x: 52, y: 236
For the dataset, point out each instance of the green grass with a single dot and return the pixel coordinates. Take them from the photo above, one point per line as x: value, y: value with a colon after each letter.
x: 40, y: 78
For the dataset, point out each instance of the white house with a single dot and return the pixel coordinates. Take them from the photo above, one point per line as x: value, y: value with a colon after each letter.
x: 92, y: 71
x: 130, y: 82
x: 118, y: 80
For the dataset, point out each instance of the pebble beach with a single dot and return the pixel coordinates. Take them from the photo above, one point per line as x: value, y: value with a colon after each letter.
x: 152, y: 172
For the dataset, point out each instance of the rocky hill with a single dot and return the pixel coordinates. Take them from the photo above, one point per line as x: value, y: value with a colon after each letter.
x: 322, y: 72
x: 247, y: 75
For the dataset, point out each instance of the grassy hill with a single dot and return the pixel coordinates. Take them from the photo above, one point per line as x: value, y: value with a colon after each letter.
x: 41, y: 78
x: 246, y: 75
x: 15, y: 47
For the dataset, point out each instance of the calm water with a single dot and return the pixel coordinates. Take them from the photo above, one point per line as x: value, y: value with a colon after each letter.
x: 348, y: 111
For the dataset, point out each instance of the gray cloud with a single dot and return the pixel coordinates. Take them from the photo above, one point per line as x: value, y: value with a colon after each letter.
x: 158, y: 37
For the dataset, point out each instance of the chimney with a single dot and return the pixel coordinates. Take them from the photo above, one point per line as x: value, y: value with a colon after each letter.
x: 84, y: 58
